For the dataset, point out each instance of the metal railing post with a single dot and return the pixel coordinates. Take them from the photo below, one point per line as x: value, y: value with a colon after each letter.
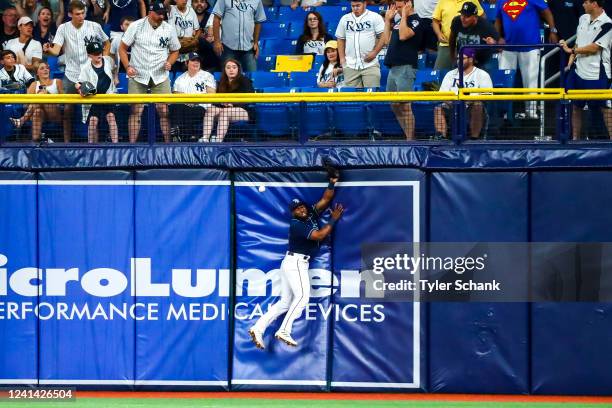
x: 151, y: 124
x: 302, y: 135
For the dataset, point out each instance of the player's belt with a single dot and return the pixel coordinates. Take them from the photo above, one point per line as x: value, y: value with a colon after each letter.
x: 305, y: 257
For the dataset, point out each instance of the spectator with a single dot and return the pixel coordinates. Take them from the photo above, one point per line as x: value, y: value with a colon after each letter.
x: 116, y: 43
x: 314, y: 37
x: 232, y: 81
x: 99, y: 72
x: 28, y: 8
x: 185, y: 21
x: 242, y: 41
x: 194, y: 81
x: 9, y: 25
x: 443, y: 15
x: 155, y: 47
x: 28, y: 50
x: 99, y: 11
x: 590, y: 60
x: 73, y: 38
x: 520, y: 24
x: 360, y: 39
x: 424, y: 9
x: 330, y: 74
x: 403, y: 32
x: 469, y: 29
x: 473, y: 77
x: 45, y: 28
x: 120, y: 9
x: 306, y: 4
x: 566, y: 14
x: 12, y: 73
x: 209, y: 60
x: 41, y: 113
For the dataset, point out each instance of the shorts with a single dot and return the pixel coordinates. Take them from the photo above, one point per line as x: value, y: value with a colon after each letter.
x: 362, y: 78
x: 100, y: 110
x: 135, y: 87
x: 574, y: 81
x: 401, y: 78
x: 69, y: 86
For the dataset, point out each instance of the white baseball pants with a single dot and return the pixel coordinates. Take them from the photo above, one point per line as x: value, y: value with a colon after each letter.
x: 295, y: 294
x: 529, y: 64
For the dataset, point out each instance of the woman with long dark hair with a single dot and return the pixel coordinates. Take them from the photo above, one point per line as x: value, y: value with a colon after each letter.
x: 232, y: 81
x: 314, y: 36
x: 45, y: 28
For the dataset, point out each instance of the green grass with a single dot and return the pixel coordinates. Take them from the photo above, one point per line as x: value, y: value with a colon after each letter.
x: 278, y: 403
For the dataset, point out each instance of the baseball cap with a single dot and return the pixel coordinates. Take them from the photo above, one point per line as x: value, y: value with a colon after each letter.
x: 193, y: 56
x: 94, y: 48
x: 469, y: 9
x: 331, y: 44
x: 295, y: 203
x: 157, y: 7
x: 24, y: 20
x: 469, y: 52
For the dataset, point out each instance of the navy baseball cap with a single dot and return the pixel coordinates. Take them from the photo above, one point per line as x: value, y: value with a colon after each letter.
x: 295, y: 203
x: 94, y: 48
x: 157, y: 7
x: 469, y: 9
x: 194, y: 56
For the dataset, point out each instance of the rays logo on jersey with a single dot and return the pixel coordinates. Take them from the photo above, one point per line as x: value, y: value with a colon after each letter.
x: 182, y: 23
x: 466, y: 84
x: 358, y: 27
x: 164, y: 42
x: 242, y: 6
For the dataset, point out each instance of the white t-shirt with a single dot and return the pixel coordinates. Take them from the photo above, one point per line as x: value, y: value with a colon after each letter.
x: 34, y: 49
x: 196, y: 84
x: 475, y: 79
x: 425, y: 8
x: 360, y: 36
x: 185, y: 24
x: 329, y: 74
x: 598, y: 32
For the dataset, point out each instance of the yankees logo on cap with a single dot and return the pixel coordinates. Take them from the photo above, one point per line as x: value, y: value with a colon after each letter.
x: 157, y: 7
x: 469, y: 9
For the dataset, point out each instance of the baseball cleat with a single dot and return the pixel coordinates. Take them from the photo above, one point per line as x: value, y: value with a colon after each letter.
x: 286, y: 338
x: 257, y: 337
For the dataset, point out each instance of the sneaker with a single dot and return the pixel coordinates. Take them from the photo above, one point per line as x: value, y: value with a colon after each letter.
x: 285, y: 338
x: 257, y: 337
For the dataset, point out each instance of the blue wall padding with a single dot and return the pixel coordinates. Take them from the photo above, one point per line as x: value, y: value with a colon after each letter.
x: 478, y: 347
x: 571, y: 343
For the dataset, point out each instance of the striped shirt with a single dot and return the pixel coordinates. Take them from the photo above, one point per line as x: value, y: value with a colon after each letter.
x: 150, y: 49
x: 360, y: 36
x: 241, y: 16
x: 20, y: 75
x: 185, y: 24
x: 196, y: 84
x: 75, y: 40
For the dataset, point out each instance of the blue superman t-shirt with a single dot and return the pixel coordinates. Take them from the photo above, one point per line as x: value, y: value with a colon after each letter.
x: 521, y: 20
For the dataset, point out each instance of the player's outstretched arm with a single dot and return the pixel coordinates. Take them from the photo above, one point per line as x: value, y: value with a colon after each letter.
x: 320, y: 235
x: 328, y: 196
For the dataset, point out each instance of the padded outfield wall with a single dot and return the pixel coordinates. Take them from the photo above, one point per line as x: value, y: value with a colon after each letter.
x: 142, y: 267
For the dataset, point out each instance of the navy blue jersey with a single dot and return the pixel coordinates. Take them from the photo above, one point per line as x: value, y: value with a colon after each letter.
x: 299, y: 232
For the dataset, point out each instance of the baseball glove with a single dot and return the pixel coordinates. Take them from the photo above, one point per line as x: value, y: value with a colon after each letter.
x: 332, y: 171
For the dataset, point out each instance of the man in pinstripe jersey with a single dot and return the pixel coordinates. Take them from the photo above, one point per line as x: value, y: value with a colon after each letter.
x: 304, y: 239
x: 73, y: 37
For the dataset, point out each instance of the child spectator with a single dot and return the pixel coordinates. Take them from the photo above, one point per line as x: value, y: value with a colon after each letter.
x: 99, y: 72
x: 13, y: 74
x: 116, y: 42
x: 330, y: 74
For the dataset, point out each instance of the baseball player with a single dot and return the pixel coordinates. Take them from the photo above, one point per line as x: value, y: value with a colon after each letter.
x: 304, y: 238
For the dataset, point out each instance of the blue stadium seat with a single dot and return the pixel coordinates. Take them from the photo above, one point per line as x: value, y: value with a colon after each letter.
x: 503, y: 78
x: 384, y: 74
x: 494, y: 62
x: 274, y: 30
x: 422, y: 61
x: 304, y: 79
x: 384, y: 120
x: 217, y: 76
x: 490, y: 11
x: 279, y: 47
x: 287, y: 15
x: 377, y: 9
x: 275, y: 119
x: 350, y: 118
x: 295, y: 30
x: 266, y: 62
x: 316, y: 120
x: 316, y: 63
x: 424, y: 118
x: 280, y: 89
x: 332, y: 14
x: 317, y: 89
x: 271, y: 13
x: 426, y: 75
x: 263, y: 79
x: 52, y: 61
x: 122, y: 87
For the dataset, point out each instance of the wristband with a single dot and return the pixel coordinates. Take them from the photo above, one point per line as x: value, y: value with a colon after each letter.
x: 331, y: 222
x: 331, y: 186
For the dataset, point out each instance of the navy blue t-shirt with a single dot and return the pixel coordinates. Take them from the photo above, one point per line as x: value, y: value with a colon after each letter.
x: 300, y: 230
